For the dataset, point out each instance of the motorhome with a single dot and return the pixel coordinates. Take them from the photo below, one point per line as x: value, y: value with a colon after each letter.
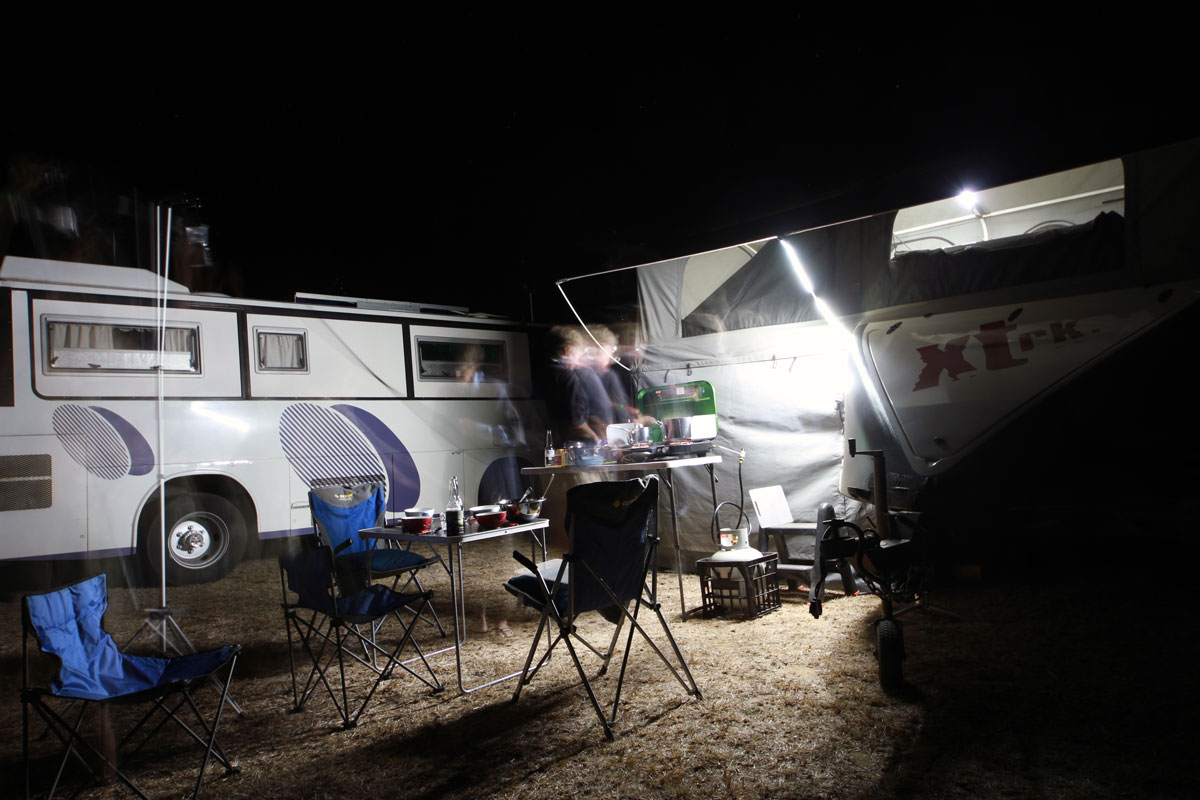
x: 258, y: 400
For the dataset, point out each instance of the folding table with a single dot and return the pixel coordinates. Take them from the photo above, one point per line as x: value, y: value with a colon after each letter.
x: 454, y: 568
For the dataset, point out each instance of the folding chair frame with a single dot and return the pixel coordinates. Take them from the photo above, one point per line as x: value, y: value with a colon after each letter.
x: 327, y: 638
x: 42, y: 701
x: 567, y: 630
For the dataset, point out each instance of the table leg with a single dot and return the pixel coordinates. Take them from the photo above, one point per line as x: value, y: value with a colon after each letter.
x: 665, y: 476
x: 460, y: 610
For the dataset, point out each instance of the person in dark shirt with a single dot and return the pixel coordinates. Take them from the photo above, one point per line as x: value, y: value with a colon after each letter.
x: 611, y: 377
x: 568, y: 400
x: 600, y: 411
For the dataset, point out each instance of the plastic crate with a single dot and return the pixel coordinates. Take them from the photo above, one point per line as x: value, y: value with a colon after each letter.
x: 746, y: 589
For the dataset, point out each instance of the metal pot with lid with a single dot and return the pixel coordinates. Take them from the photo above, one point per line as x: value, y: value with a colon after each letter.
x: 693, y: 428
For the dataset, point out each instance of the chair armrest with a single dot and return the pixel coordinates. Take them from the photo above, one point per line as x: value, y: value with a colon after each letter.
x: 525, y: 561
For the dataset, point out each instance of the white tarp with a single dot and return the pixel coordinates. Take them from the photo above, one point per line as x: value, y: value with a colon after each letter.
x: 778, y: 390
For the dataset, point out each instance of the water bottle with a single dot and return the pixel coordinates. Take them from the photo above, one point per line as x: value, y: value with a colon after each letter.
x: 454, y: 510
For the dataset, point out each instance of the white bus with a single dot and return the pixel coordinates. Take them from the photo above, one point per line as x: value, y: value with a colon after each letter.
x: 260, y: 399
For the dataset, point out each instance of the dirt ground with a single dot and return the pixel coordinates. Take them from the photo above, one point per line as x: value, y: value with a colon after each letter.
x: 1051, y: 682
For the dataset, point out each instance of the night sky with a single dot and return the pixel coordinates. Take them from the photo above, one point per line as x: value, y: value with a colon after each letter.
x: 472, y: 158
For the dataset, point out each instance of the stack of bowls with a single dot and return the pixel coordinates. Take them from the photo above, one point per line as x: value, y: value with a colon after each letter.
x: 488, y: 517
x: 417, y: 520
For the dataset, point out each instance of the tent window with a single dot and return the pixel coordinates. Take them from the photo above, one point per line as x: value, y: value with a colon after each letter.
x: 465, y: 360
x: 95, y: 346
x: 282, y: 351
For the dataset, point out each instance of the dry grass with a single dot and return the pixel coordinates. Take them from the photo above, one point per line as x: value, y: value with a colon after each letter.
x: 1045, y: 690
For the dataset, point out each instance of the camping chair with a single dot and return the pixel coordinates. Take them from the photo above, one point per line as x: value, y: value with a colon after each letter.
x: 93, y: 672
x: 612, y: 548
x: 794, y: 542
x: 325, y: 621
x: 342, y: 507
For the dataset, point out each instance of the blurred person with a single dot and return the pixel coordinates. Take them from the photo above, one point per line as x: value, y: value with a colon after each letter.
x: 585, y: 362
x: 568, y: 400
x: 612, y: 376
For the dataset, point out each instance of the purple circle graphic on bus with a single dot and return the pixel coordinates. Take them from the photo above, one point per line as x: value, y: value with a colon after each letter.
x: 344, y: 442
x: 141, y: 457
x: 401, y: 468
x: 102, y: 441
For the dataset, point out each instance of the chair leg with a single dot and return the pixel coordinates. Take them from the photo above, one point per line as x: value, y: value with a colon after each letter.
x: 587, y: 685
x: 433, y: 681
x: 692, y: 689
x: 75, y: 744
x: 393, y: 661
x: 436, y: 621
x: 612, y: 645
x: 526, y: 673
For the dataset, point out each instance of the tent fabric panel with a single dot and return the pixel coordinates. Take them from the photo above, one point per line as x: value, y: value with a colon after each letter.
x: 786, y: 414
x: 659, y: 289
x: 1093, y: 248
x: 764, y: 291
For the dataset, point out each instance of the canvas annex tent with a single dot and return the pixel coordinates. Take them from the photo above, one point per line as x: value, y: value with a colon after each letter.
x: 1103, y: 246
x: 737, y: 319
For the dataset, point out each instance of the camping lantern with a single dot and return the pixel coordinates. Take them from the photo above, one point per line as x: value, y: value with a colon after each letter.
x: 737, y: 579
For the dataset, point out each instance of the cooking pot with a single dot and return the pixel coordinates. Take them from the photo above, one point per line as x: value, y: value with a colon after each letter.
x: 644, y: 434
x: 624, y: 434
x: 701, y: 426
x: 529, y: 509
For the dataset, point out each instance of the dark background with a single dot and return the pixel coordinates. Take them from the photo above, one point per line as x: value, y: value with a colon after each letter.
x: 472, y: 158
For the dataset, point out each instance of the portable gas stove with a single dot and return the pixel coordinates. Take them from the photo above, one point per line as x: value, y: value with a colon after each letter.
x: 658, y: 451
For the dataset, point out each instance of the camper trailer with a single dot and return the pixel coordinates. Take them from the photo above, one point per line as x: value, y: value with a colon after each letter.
x: 257, y: 401
x: 1003, y: 348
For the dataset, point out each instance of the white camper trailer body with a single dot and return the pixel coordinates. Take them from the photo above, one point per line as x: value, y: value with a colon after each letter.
x: 940, y: 325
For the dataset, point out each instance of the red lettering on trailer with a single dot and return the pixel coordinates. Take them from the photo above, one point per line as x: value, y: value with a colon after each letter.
x: 936, y: 360
x: 997, y: 350
x: 1061, y: 331
x: 1026, y: 339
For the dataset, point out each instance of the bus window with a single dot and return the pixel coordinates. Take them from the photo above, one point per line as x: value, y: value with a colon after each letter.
x: 466, y: 360
x: 281, y: 350
x: 91, y: 346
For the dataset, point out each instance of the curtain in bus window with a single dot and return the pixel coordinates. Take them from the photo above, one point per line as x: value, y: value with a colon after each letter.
x: 177, y: 340
x: 78, y: 345
x: 90, y: 337
x: 280, y: 350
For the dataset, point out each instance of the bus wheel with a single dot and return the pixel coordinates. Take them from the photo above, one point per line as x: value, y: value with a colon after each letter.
x: 206, y: 537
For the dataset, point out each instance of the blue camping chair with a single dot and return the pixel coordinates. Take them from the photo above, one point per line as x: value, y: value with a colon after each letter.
x: 68, y: 624
x: 341, y: 507
x: 327, y: 624
x: 609, y: 567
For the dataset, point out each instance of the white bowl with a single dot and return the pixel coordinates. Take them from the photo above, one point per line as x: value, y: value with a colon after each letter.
x: 418, y: 512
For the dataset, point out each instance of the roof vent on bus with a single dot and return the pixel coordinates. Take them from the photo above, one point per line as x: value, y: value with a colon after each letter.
x: 377, y: 305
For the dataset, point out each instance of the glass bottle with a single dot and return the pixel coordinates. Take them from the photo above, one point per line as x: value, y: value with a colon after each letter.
x: 454, y: 509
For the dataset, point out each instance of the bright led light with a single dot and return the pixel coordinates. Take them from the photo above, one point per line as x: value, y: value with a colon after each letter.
x: 797, y: 267
x: 968, y: 199
x: 839, y: 332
